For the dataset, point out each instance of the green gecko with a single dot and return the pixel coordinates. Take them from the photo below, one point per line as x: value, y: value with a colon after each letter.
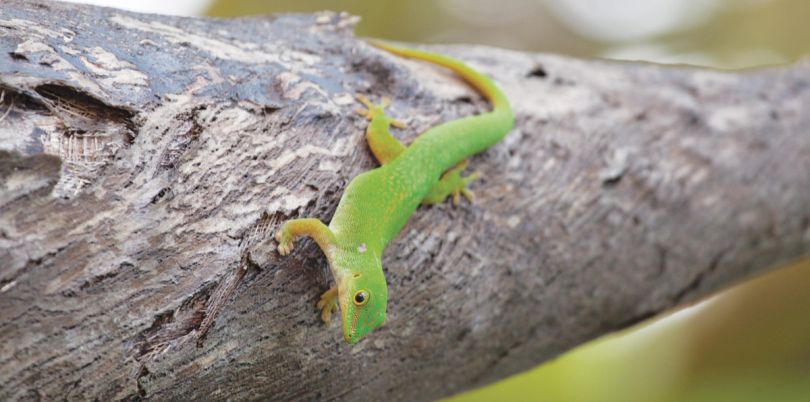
x: 377, y: 204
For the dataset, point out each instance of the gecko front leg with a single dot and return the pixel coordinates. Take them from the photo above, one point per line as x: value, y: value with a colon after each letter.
x: 315, y: 229
x: 311, y: 227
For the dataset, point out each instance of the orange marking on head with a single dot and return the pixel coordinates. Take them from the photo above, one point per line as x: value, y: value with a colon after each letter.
x: 355, y: 318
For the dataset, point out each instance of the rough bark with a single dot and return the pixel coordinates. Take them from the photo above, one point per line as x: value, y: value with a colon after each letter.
x: 146, y: 160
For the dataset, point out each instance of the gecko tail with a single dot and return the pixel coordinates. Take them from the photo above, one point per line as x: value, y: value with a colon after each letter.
x: 444, y: 146
x: 482, y: 83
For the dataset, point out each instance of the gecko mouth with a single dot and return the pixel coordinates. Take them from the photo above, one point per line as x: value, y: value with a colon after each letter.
x: 350, y: 335
x: 350, y: 332
x: 350, y: 323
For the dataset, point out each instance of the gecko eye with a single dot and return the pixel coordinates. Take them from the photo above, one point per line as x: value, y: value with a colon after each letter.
x: 361, y: 297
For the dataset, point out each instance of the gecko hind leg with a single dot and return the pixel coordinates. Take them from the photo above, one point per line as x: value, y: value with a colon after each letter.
x: 328, y: 304
x: 383, y: 144
x: 386, y: 147
x: 373, y: 111
x: 452, y: 183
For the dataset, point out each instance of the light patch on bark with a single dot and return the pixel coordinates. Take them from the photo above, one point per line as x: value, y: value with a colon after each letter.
x: 217, y: 48
x: 285, y: 201
x: 294, y: 86
x: 37, y: 29
x: 48, y: 56
x: 341, y: 148
x: 51, y: 58
x: 113, y: 70
x: 730, y: 118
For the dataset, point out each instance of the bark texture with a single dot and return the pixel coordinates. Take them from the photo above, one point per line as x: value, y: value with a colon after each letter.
x: 146, y: 161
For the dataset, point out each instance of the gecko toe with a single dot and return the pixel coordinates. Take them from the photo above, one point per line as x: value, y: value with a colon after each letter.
x: 328, y: 304
x: 469, y: 195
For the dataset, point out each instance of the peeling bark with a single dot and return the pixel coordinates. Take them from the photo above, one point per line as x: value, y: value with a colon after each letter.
x: 146, y: 160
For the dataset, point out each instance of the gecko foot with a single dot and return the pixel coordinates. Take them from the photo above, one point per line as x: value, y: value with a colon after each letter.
x: 453, y: 184
x: 328, y: 304
x: 285, y: 240
x: 373, y: 111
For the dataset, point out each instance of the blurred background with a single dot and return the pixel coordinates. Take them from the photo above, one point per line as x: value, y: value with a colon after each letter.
x: 748, y: 343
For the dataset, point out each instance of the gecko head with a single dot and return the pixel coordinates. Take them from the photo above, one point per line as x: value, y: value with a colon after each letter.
x: 363, y: 297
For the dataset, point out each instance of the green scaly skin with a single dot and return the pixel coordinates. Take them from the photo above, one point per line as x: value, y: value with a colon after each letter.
x: 377, y: 204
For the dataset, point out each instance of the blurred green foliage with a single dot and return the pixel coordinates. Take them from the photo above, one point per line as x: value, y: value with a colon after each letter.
x: 749, y: 344
x: 720, y: 33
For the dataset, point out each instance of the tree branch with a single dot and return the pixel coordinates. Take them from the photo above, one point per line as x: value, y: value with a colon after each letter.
x: 148, y: 159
